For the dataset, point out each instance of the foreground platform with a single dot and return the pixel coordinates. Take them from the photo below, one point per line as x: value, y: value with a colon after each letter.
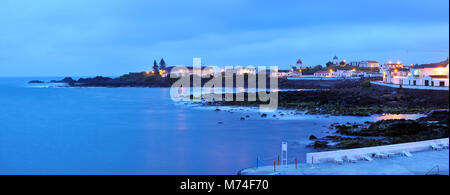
x: 422, y: 163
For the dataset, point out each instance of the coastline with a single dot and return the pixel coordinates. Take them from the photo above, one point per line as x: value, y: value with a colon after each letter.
x: 342, y: 100
x: 422, y: 163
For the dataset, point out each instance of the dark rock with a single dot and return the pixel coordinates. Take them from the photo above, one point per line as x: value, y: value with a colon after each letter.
x: 264, y: 115
x: 68, y: 80
x: 320, y: 144
x: 36, y: 81
x: 242, y: 118
x: 98, y: 79
x: 312, y: 137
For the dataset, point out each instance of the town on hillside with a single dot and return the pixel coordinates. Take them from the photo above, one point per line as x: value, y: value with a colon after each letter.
x: 392, y: 74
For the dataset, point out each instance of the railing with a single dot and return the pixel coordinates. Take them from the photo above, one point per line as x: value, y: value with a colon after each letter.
x: 419, y: 87
x: 322, y: 157
x: 436, y: 167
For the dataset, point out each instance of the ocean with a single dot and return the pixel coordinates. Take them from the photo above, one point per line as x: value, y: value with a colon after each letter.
x: 61, y: 130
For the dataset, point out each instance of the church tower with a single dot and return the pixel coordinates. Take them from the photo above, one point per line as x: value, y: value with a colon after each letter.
x: 336, y: 60
x: 299, y: 64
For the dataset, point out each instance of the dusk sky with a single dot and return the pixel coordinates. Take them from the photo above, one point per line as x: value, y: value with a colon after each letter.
x: 113, y: 37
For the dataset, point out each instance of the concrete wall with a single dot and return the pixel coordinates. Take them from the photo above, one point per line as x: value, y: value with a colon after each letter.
x: 323, y: 78
x: 411, y: 86
x: 322, y: 157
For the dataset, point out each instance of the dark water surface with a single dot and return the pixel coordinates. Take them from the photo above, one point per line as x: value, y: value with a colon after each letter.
x: 53, y: 130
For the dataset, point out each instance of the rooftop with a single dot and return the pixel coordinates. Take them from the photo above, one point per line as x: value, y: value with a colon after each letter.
x: 433, y: 65
x: 439, y: 76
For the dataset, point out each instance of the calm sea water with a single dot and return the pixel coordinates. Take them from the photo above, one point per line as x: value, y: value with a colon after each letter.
x: 140, y: 131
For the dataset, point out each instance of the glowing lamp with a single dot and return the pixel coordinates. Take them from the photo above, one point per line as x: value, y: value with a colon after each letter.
x: 440, y: 71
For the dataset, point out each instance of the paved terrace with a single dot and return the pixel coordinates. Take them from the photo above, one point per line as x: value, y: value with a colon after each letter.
x: 420, y: 164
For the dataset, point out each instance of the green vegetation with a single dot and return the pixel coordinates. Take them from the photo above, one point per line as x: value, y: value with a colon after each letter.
x: 329, y: 64
x: 366, y: 84
x: 162, y: 64
x: 155, y: 69
x: 311, y: 71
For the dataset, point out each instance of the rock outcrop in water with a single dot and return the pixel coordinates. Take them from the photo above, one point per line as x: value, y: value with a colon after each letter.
x: 67, y: 80
x: 347, y: 97
x: 385, y: 132
x: 36, y: 81
x: 356, y: 101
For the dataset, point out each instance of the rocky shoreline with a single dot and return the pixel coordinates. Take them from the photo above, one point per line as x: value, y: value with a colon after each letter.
x: 386, y: 132
x: 353, y: 98
x: 341, y: 98
x: 355, y: 101
x: 144, y: 80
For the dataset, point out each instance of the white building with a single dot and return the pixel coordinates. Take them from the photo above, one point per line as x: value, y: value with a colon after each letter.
x: 334, y: 74
x: 396, y: 76
x: 391, y: 66
x: 336, y: 60
x: 369, y: 74
x: 434, y: 75
x: 196, y: 69
x: 366, y: 64
x: 322, y: 73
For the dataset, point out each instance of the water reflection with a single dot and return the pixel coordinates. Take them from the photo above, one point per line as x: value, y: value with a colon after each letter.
x: 398, y: 116
x: 181, y: 120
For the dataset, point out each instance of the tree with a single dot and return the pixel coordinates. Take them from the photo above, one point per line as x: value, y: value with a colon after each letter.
x: 162, y: 64
x: 311, y: 71
x: 329, y: 64
x: 319, y: 67
x: 155, y: 68
x: 343, y: 63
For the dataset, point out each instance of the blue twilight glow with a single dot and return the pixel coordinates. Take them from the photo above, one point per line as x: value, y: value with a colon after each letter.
x: 111, y: 37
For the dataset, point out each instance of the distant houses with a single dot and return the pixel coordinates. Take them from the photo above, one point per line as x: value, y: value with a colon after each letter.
x: 391, y: 66
x: 429, y: 75
x: 323, y: 73
x: 336, y: 69
x: 345, y: 74
x: 365, y: 64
